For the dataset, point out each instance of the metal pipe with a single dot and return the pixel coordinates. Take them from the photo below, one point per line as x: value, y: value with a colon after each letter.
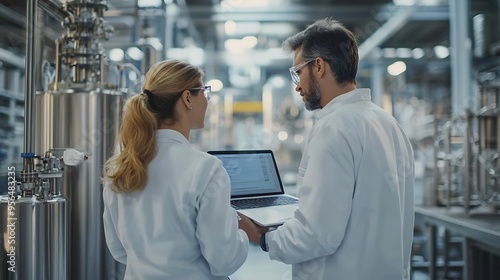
x: 389, y: 28
x: 448, y: 165
x: 29, y: 90
x: 11, y: 58
x: 38, y: 53
x: 54, y: 9
x: 58, y: 64
x: 467, y: 161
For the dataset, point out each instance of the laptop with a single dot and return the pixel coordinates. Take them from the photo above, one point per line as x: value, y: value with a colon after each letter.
x: 256, y: 188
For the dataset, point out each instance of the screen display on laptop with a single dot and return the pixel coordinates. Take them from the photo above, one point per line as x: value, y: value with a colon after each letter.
x: 250, y: 172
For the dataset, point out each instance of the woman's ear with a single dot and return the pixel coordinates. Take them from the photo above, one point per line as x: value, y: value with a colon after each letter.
x: 186, y: 99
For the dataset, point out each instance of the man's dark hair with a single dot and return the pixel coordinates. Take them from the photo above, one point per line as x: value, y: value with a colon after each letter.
x: 330, y: 40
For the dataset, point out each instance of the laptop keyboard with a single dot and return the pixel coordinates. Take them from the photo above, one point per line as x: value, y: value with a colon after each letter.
x: 262, y: 202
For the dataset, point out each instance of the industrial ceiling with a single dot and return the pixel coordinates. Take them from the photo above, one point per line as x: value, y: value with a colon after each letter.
x: 385, y: 28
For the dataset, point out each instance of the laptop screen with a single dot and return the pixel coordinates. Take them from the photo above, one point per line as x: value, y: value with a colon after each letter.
x: 252, y: 172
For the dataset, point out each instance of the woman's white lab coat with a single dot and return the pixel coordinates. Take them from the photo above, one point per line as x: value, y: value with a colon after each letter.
x: 181, y: 226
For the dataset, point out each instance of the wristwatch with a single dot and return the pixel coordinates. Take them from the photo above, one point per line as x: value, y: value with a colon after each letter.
x: 263, y: 244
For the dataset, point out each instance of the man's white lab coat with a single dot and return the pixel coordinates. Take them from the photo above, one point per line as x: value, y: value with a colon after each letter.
x: 356, y: 212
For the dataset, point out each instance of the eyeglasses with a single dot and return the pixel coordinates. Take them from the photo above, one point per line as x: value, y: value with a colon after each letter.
x: 296, y: 68
x: 207, y: 91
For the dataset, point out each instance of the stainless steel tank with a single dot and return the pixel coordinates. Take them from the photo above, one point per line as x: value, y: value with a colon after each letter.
x: 34, y: 244
x: 82, y: 110
x: 85, y: 119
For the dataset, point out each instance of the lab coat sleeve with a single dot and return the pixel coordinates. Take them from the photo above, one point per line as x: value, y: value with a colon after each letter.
x: 223, y: 245
x: 114, y: 244
x: 320, y: 222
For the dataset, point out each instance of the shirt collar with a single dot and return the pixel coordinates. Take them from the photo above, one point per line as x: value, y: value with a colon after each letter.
x: 355, y: 95
x: 165, y: 135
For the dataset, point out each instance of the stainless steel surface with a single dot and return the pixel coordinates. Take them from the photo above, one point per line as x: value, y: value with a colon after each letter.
x: 79, y: 112
x: 483, y: 228
x: 29, y: 89
x: 478, y: 232
x: 39, y: 238
x: 87, y: 120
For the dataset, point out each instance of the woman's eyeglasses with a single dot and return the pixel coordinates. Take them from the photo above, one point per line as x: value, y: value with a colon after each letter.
x: 207, y: 91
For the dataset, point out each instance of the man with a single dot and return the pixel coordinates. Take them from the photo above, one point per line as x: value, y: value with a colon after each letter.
x: 355, y: 216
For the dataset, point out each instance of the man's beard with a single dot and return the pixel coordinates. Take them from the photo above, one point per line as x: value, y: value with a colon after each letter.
x: 312, y: 99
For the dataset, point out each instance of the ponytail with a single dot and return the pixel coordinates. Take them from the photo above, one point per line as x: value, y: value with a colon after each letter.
x: 135, y: 148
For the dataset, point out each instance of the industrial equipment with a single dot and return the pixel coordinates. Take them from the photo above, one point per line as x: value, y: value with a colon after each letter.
x: 468, y: 151
x: 82, y: 110
x: 35, y: 220
x: 482, y: 147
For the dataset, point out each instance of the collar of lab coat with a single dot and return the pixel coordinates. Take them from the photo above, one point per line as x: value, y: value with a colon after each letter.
x: 355, y: 95
x: 166, y: 135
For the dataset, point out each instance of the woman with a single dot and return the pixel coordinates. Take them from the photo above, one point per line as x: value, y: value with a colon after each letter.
x: 167, y: 212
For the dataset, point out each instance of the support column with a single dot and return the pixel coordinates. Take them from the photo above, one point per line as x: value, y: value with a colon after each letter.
x: 460, y: 57
x: 377, y: 81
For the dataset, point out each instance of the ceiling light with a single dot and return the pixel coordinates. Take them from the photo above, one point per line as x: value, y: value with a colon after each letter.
x: 278, y: 81
x: 242, y: 3
x: 418, y: 53
x: 234, y: 46
x: 404, y: 52
x: 404, y: 2
x: 249, y: 42
x: 135, y: 53
x: 298, y: 138
x: 230, y: 27
x: 396, y: 68
x: 149, y: 3
x: 441, y: 51
x: 153, y: 41
x: 132, y: 76
x: 389, y: 52
x: 419, y: 2
x: 195, y: 56
x: 116, y: 54
x: 216, y: 85
x: 282, y: 135
x: 242, y: 28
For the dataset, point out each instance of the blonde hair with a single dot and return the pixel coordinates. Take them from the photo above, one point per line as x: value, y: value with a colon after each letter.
x: 135, y: 148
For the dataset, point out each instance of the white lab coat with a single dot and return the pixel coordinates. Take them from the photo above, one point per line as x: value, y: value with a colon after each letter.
x: 181, y: 226
x: 356, y: 212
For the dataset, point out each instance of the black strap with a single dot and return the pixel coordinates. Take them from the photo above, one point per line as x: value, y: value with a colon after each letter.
x: 263, y: 244
x: 148, y: 93
x: 149, y: 101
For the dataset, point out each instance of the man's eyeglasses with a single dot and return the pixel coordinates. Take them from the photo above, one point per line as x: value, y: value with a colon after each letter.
x: 207, y: 91
x: 296, y: 68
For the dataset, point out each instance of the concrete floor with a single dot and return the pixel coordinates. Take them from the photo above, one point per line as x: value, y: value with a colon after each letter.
x: 259, y: 266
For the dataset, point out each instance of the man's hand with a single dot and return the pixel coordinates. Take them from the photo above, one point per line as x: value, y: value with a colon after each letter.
x: 251, y: 229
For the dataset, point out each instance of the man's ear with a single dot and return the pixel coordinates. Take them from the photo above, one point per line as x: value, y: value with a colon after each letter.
x: 320, y: 68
